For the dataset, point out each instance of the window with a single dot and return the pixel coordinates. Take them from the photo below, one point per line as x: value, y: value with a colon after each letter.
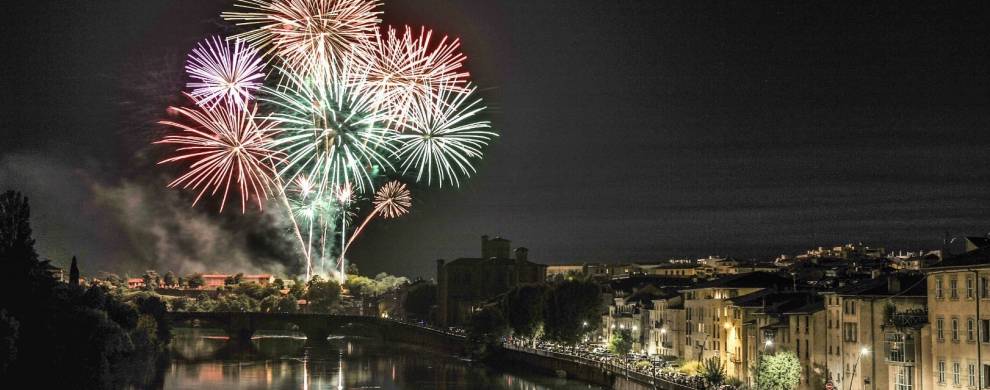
x: 904, y: 379
x: 938, y: 288
x: 806, y: 325
x: 900, y: 347
x: 941, y: 371
x: 970, y: 329
x: 955, y: 374
x: 807, y: 350
x: 953, y: 292
x: 940, y: 329
x: 849, y: 332
x: 971, y: 375
x: 985, y: 331
x: 984, y: 287
x: 985, y: 376
x: 955, y: 329
x: 970, y: 290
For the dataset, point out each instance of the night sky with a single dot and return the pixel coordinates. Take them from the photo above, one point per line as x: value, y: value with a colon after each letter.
x: 631, y: 130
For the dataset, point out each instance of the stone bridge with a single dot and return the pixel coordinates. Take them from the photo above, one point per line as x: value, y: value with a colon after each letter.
x: 241, y: 326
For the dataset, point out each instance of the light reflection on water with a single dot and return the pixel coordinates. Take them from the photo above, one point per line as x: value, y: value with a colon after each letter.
x: 205, y: 359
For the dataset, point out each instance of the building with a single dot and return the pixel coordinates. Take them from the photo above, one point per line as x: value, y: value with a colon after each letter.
x: 874, y: 333
x: 705, y: 304
x: 959, y: 315
x: 665, y: 335
x: 465, y: 284
x: 214, y: 281
x: 135, y: 283
x: 769, y: 321
x: 564, y: 270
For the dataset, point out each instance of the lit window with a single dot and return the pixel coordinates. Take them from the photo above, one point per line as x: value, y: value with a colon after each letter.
x: 904, y: 379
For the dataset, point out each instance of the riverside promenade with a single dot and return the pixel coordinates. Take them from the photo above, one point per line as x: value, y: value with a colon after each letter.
x: 608, y: 373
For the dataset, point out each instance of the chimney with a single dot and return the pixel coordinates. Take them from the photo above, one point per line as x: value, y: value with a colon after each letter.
x: 522, y: 254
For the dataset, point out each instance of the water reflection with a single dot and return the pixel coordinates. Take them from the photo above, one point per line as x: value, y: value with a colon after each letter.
x: 205, y: 359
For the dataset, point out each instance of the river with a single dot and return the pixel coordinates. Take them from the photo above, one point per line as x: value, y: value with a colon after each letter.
x: 205, y: 359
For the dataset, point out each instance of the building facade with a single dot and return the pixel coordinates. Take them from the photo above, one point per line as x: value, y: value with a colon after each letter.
x: 465, y: 284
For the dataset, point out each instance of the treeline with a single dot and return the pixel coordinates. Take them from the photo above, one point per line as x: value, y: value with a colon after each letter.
x: 562, y: 312
x: 321, y: 296
x: 55, y: 334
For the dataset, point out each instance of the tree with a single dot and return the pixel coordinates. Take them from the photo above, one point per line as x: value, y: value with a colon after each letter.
x: 488, y: 325
x: 8, y: 340
x: 170, y: 280
x: 525, y: 309
x: 151, y: 280
x: 297, y: 289
x: 621, y: 342
x: 573, y: 308
x: 713, y: 372
x: 779, y: 371
x: 196, y: 281
x: 419, y: 300
x: 278, y: 283
x: 15, y: 227
x: 322, y: 296
x: 233, y: 280
x: 74, y: 272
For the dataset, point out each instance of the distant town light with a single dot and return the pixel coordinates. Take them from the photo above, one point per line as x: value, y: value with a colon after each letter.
x: 768, y: 343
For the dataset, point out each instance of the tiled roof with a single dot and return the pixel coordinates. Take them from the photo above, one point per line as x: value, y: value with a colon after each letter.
x: 979, y: 258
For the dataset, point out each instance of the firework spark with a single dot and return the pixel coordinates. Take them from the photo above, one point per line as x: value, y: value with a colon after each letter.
x: 303, y: 31
x: 443, y: 137
x: 227, y: 146
x: 224, y: 73
x: 392, y: 200
x: 329, y: 132
x: 409, y: 68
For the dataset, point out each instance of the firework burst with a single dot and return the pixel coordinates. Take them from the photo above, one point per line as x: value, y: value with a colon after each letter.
x: 444, y: 137
x: 224, y: 72
x: 393, y: 200
x: 410, y: 68
x: 329, y: 132
x: 227, y: 147
x: 306, y: 32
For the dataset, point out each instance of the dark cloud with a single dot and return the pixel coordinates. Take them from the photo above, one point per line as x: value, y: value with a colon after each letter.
x: 632, y: 129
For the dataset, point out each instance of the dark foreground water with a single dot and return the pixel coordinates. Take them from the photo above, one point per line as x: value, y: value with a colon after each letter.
x: 204, y: 359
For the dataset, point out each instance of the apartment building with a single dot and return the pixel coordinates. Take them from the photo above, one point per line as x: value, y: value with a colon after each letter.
x: 959, y: 311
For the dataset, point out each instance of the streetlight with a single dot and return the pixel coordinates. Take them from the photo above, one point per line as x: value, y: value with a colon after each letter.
x: 862, y: 352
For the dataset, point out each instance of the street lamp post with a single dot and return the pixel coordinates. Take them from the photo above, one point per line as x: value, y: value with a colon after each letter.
x: 862, y: 352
